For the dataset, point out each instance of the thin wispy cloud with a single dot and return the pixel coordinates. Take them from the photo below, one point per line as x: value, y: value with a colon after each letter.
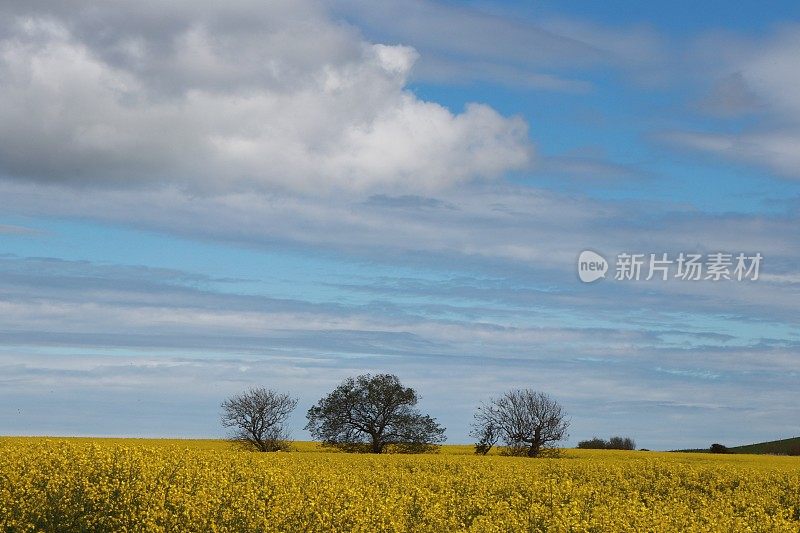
x: 17, y: 230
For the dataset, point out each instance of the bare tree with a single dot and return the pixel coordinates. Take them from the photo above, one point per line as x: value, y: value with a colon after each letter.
x: 257, y: 418
x: 527, y: 421
x: 369, y: 413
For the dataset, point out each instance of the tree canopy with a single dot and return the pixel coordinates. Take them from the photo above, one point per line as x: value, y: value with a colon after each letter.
x: 371, y: 413
x: 257, y: 418
x: 526, y: 421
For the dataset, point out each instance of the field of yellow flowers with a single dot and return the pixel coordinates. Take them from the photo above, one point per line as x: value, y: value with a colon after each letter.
x: 141, y: 485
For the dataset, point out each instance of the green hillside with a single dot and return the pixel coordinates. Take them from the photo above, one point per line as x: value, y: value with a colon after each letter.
x: 777, y: 447
x: 773, y: 447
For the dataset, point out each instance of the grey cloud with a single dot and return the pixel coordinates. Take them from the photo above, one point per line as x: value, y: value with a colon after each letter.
x: 730, y: 97
x: 408, y: 201
x: 749, y: 76
x: 6, y: 229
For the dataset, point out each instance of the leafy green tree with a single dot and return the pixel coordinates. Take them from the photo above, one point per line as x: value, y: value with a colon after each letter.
x: 373, y: 414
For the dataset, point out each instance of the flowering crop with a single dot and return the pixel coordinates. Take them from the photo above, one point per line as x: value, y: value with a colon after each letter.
x: 129, y: 485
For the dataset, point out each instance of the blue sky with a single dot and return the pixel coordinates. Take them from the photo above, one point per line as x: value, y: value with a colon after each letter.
x: 202, y: 198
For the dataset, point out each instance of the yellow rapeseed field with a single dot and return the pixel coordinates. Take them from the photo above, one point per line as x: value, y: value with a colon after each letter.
x: 152, y: 485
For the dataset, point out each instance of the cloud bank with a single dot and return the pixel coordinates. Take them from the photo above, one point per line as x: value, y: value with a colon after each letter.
x: 249, y: 96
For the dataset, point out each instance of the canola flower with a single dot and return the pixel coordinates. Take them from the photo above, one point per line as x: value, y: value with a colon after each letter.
x: 131, y: 485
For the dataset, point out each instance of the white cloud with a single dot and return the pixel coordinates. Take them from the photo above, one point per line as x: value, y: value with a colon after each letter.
x: 297, y: 103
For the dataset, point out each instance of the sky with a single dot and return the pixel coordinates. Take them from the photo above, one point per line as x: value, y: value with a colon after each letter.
x: 200, y: 197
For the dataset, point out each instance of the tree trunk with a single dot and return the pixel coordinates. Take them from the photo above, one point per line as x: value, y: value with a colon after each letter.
x: 533, y: 451
x: 377, y: 445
